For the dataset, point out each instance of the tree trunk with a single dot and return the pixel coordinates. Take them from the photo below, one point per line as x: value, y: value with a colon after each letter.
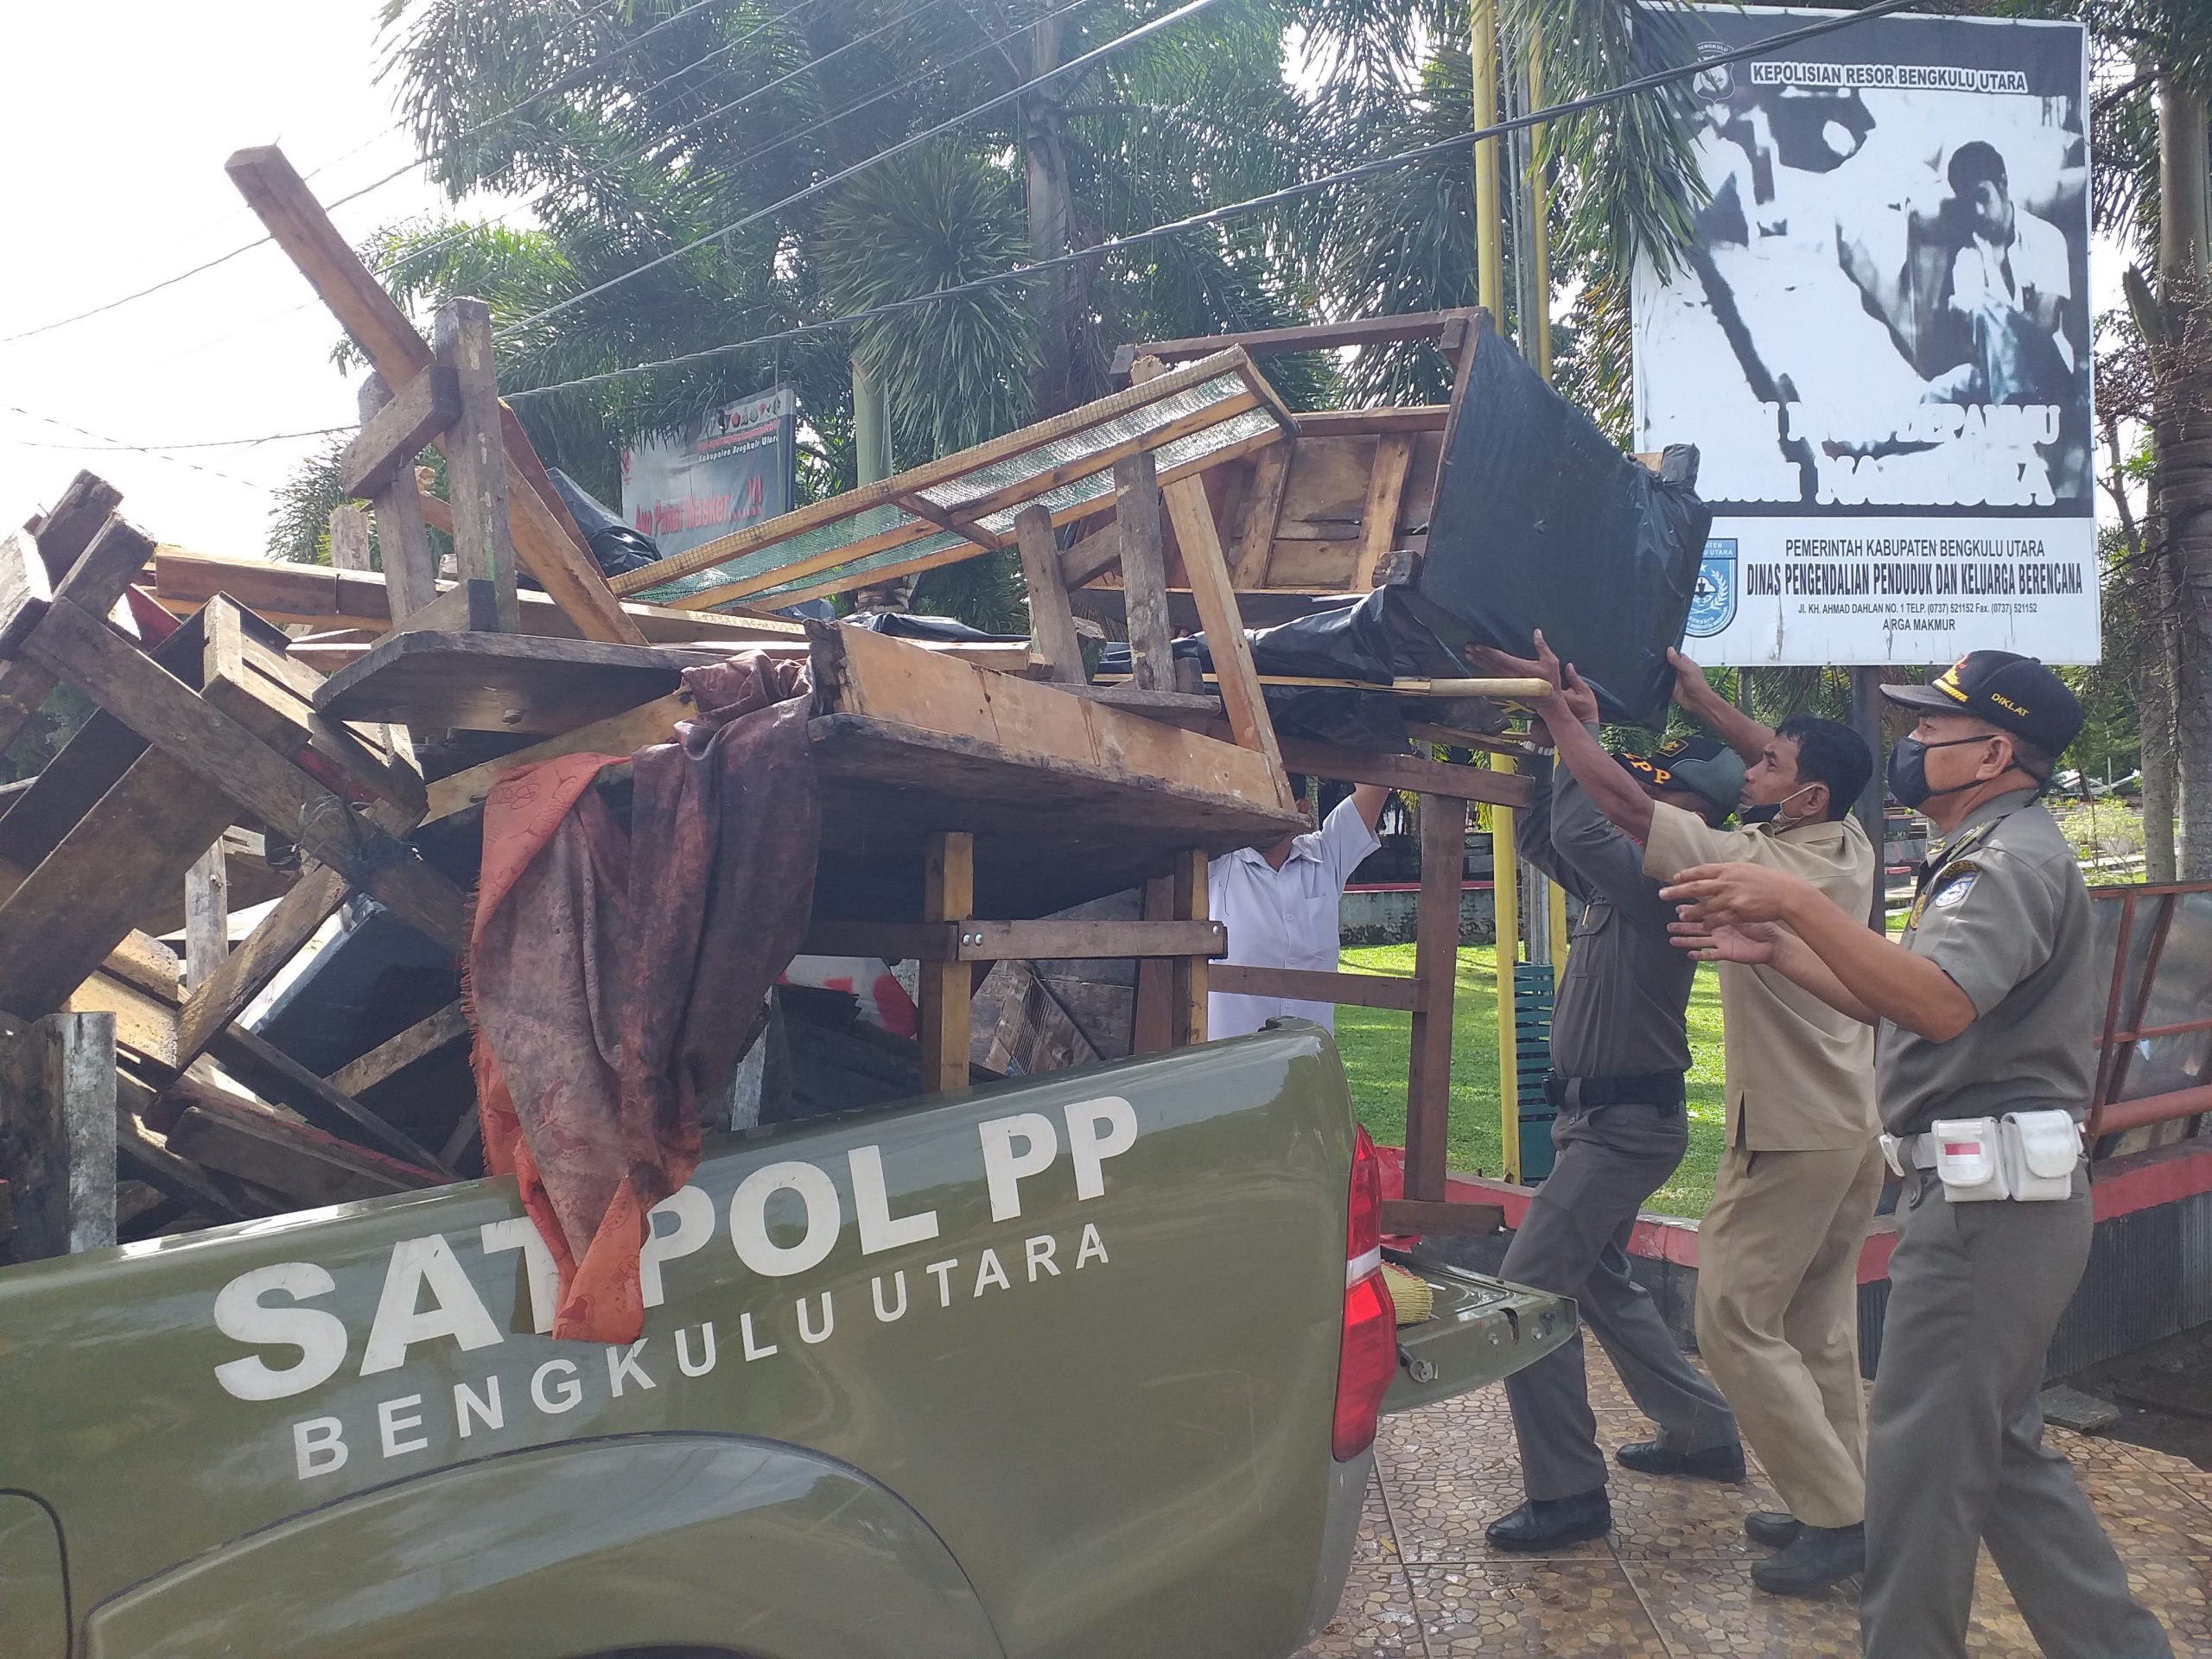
x: 2182, y: 435
x: 2154, y: 714
x: 1045, y: 170
x: 871, y: 465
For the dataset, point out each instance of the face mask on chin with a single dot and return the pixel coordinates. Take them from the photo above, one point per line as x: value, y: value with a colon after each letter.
x: 1768, y: 811
x: 1908, y: 771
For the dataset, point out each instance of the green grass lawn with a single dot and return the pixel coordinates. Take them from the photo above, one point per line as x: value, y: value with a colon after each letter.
x: 1375, y: 1044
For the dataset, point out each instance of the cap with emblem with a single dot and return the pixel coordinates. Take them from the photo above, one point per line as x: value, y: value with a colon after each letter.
x: 1711, y: 771
x: 2016, y: 693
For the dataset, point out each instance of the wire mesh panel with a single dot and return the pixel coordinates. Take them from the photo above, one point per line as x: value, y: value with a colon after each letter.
x: 1197, y: 415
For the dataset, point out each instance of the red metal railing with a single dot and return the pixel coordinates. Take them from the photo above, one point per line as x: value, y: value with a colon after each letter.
x: 2110, y: 1111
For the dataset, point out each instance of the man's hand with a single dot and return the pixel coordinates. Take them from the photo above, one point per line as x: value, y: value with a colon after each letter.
x: 1579, y: 700
x: 1753, y: 943
x: 1734, y: 894
x: 1571, y: 695
x: 1694, y: 693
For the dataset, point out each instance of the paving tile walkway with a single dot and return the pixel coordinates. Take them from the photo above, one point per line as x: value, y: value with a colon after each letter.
x: 1673, y: 1581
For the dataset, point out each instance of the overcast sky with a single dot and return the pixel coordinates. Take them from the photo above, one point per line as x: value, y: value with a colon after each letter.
x: 118, y: 118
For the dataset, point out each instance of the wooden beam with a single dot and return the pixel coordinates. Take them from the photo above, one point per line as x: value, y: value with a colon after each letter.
x: 1152, y: 1029
x: 83, y: 651
x: 476, y: 466
x: 276, y: 1076
x: 1408, y: 1218
x: 1386, y: 489
x: 1047, y: 940
x: 470, y: 607
x: 389, y: 441
x: 411, y: 569
x: 1188, y: 975
x: 57, y: 1133
x: 115, y: 554
x: 145, y: 1153
x: 361, y: 599
x: 282, y: 934
x: 1052, y: 639
x: 298, y: 223
x: 247, y: 673
x: 1241, y: 697
x: 349, y: 539
x: 1360, y: 423
x: 448, y: 1026
x: 1270, y: 478
x: 295, y: 1160
x: 207, y: 916
x: 618, y: 734
x: 1347, y: 990
x: 948, y: 895
x: 1436, y: 964
x: 63, y: 534
x: 1144, y: 574
x: 1095, y: 554
x: 1303, y: 337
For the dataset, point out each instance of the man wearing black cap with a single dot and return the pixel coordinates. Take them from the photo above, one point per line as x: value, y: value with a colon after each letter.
x: 1619, y: 1049
x: 1795, y: 1188
x: 1985, y: 1026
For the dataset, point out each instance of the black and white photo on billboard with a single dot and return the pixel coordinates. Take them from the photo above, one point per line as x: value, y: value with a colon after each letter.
x: 1879, y: 340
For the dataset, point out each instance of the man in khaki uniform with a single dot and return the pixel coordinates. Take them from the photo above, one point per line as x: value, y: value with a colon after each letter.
x: 1778, y: 1313
x: 1987, y: 1024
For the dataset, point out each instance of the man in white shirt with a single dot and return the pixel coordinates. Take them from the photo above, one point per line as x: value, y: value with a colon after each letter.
x: 1279, y: 902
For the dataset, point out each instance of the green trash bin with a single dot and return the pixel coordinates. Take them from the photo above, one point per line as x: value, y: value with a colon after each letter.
x: 1533, y: 989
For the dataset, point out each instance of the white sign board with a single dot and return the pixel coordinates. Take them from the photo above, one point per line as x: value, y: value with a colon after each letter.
x: 1880, y: 343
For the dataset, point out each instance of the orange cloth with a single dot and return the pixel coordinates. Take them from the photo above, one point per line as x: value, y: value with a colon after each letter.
x: 616, y: 973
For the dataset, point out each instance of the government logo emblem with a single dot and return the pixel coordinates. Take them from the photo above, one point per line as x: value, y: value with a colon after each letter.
x: 1713, y: 601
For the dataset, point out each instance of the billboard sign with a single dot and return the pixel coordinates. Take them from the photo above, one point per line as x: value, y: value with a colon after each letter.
x: 1880, y: 344
x: 731, y: 469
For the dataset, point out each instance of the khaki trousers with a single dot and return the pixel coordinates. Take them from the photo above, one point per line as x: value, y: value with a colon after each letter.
x: 1777, y: 1317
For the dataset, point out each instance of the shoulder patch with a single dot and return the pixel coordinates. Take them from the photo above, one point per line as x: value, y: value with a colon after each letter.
x: 1954, y: 882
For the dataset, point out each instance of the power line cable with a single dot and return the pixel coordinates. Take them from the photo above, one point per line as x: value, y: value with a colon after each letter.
x: 1216, y: 215
x: 375, y: 184
x: 462, y: 233
x: 882, y: 29
x: 106, y: 443
x: 1096, y: 54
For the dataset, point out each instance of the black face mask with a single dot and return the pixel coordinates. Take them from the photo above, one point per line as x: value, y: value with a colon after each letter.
x: 1768, y: 811
x: 1908, y: 771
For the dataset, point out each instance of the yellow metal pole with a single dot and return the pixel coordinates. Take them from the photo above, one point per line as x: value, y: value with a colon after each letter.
x: 1490, y: 269
x: 1505, y: 896
x: 1539, y: 246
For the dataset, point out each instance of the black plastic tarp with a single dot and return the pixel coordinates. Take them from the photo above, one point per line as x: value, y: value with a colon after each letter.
x: 614, y: 545
x: 1377, y: 638
x: 1541, y: 522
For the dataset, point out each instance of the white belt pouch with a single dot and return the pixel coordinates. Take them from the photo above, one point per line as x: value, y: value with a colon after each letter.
x: 2027, y: 1157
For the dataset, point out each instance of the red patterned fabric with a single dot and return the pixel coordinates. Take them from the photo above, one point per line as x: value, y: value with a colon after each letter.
x: 617, y: 972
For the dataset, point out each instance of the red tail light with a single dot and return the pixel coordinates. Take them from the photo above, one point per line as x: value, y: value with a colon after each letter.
x: 1368, y: 1357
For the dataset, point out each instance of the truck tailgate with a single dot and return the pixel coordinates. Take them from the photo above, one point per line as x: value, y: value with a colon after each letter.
x: 1480, y: 1331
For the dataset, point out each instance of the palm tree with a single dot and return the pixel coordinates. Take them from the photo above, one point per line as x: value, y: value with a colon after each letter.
x: 637, y: 130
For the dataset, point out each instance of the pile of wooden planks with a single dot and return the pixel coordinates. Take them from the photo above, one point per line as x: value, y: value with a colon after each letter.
x: 276, y: 753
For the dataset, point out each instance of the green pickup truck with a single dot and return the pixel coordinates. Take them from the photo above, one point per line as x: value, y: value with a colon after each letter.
x: 1086, y: 1365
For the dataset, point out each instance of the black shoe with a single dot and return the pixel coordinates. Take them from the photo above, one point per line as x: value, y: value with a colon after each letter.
x: 1721, y: 1462
x: 1544, y: 1523
x: 1775, y: 1529
x: 1821, y: 1556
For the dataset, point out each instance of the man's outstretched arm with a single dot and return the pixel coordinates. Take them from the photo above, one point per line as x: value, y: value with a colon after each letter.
x: 1694, y: 695
x: 1570, y: 710
x: 1883, y: 977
